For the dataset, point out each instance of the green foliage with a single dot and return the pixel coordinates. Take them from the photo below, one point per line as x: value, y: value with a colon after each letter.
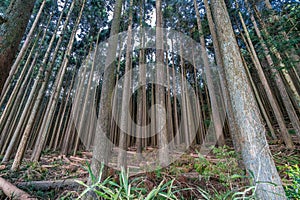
x: 125, y: 188
x: 3, y: 5
x: 292, y: 188
x: 246, y: 193
x: 225, y: 169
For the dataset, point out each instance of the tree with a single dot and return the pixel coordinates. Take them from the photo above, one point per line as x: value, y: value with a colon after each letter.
x: 125, y: 115
x: 11, y: 33
x: 101, y: 149
x: 254, y: 147
x: 270, y: 95
x: 161, y: 128
x: 212, y: 91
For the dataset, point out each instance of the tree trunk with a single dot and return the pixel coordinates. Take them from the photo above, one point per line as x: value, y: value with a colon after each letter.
x: 11, y: 33
x: 217, y: 122
x: 283, y: 130
x: 278, y: 80
x: 161, y: 128
x: 55, y: 95
x: 125, y: 110
x: 23, y: 49
x: 232, y: 122
x: 254, y: 147
x: 101, y: 148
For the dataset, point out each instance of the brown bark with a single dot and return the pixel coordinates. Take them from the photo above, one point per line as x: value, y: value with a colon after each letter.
x: 25, y: 45
x: 48, y: 185
x: 11, y: 33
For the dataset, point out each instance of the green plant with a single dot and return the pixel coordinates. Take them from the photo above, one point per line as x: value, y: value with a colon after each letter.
x: 224, y: 168
x: 292, y: 189
x: 243, y: 193
x: 126, y: 188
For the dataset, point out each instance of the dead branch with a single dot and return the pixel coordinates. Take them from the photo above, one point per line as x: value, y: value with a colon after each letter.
x: 48, y: 185
x: 12, y: 191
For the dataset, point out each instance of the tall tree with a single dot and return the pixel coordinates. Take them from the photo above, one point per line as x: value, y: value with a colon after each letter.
x: 284, y: 132
x: 101, y: 148
x: 11, y: 33
x: 254, y: 147
x: 122, y: 157
x: 225, y: 93
x: 212, y: 91
x: 161, y: 128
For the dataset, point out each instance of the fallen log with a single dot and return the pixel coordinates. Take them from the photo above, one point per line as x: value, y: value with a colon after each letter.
x: 48, y: 185
x: 13, y: 192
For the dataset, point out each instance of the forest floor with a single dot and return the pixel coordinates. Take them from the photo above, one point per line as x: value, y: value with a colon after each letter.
x: 210, y: 177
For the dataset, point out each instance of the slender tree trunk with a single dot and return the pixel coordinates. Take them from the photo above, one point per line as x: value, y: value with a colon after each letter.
x: 185, y: 128
x: 176, y: 126
x: 161, y: 128
x: 141, y: 99
x: 57, y: 88
x: 233, y: 129
x: 284, y: 132
x: 23, y: 49
x: 294, y: 93
x: 212, y: 91
x: 257, y: 94
x: 125, y: 110
x: 101, y: 148
x: 278, y: 80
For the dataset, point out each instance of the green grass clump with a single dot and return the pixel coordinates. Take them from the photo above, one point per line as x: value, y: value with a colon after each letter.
x: 125, y: 188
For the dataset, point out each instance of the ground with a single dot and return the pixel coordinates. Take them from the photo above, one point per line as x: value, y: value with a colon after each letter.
x: 213, y: 176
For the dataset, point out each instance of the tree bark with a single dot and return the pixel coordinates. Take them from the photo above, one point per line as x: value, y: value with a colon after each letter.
x: 254, y: 147
x: 11, y: 33
x: 101, y: 148
x: 212, y: 91
x: 161, y: 128
x: 232, y: 122
x: 125, y: 109
x: 23, y: 49
x: 13, y: 192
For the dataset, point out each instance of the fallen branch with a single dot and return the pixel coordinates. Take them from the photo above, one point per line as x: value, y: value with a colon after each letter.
x: 48, y: 185
x: 77, y: 159
x: 12, y: 191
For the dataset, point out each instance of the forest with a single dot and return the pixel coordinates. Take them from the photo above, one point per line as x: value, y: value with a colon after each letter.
x: 145, y: 99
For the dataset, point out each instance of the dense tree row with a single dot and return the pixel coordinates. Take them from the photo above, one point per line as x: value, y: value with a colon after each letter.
x: 73, y: 83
